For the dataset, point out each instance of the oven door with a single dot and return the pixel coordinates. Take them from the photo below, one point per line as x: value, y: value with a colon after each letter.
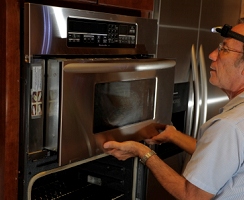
x: 111, y: 100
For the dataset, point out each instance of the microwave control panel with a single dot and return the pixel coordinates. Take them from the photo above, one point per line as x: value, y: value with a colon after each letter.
x: 97, y: 33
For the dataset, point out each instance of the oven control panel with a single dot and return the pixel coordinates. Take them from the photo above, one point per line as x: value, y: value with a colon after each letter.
x: 97, y: 33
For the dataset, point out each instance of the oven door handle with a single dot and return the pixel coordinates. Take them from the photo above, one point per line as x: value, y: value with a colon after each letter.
x: 121, y: 66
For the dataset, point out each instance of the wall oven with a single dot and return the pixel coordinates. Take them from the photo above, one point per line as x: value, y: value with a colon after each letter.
x: 87, y: 78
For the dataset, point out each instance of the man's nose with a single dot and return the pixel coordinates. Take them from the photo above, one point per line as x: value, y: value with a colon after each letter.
x: 213, y: 55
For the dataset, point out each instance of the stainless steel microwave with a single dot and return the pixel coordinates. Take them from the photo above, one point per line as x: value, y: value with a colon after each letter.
x: 90, y: 102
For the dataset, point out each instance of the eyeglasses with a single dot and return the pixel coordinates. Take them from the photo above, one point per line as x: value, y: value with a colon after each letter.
x: 223, y: 48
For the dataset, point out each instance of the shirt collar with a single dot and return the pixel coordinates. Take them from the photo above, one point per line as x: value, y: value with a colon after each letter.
x: 239, y: 99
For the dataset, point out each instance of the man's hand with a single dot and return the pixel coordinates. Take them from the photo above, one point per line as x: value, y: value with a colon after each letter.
x: 125, y: 150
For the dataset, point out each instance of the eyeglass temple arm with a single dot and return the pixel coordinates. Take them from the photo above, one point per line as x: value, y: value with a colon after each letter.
x: 225, y: 31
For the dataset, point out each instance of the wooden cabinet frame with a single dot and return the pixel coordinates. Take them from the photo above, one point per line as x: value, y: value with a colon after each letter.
x: 9, y: 98
x: 132, y: 4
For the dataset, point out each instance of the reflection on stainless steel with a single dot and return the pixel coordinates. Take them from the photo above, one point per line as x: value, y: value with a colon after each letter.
x: 61, y: 22
x: 144, y: 132
x: 150, y: 131
x: 47, y: 32
x: 217, y: 100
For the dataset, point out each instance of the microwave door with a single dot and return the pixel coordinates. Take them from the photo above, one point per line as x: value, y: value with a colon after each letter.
x: 111, y: 100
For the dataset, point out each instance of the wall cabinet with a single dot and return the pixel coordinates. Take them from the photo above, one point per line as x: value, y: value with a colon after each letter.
x: 144, y: 5
x: 82, y: 1
x: 133, y: 4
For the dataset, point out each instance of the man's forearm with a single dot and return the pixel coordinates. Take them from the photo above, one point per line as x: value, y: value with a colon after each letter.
x: 184, y: 141
x: 174, y: 183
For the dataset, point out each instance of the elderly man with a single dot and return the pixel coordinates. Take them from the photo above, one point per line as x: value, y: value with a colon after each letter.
x: 216, y: 168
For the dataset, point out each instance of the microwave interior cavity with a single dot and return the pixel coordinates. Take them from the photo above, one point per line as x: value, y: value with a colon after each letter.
x: 97, y: 33
x: 122, y: 103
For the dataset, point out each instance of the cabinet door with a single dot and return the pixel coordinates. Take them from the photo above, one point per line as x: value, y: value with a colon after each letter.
x: 133, y: 4
x: 81, y: 1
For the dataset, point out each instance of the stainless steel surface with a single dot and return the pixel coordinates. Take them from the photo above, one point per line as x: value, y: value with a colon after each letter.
x: 46, y: 32
x: 204, y: 86
x: 77, y: 140
x: 196, y: 85
x: 130, y: 65
x: 190, y: 111
x: 178, y: 31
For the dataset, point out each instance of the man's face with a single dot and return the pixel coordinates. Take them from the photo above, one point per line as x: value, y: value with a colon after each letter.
x: 227, y: 65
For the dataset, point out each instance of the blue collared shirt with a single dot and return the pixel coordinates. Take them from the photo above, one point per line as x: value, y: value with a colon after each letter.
x: 217, y: 164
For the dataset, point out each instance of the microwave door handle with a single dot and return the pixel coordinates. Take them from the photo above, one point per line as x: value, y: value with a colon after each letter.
x: 196, y: 92
x: 111, y: 67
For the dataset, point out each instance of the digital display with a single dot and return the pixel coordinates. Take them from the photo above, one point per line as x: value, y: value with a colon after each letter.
x: 87, y: 26
x: 117, y: 104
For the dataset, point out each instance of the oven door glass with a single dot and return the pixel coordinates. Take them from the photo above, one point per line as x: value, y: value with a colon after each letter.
x: 117, y: 104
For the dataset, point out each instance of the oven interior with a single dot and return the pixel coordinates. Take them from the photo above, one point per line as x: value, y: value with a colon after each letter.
x: 105, y: 177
